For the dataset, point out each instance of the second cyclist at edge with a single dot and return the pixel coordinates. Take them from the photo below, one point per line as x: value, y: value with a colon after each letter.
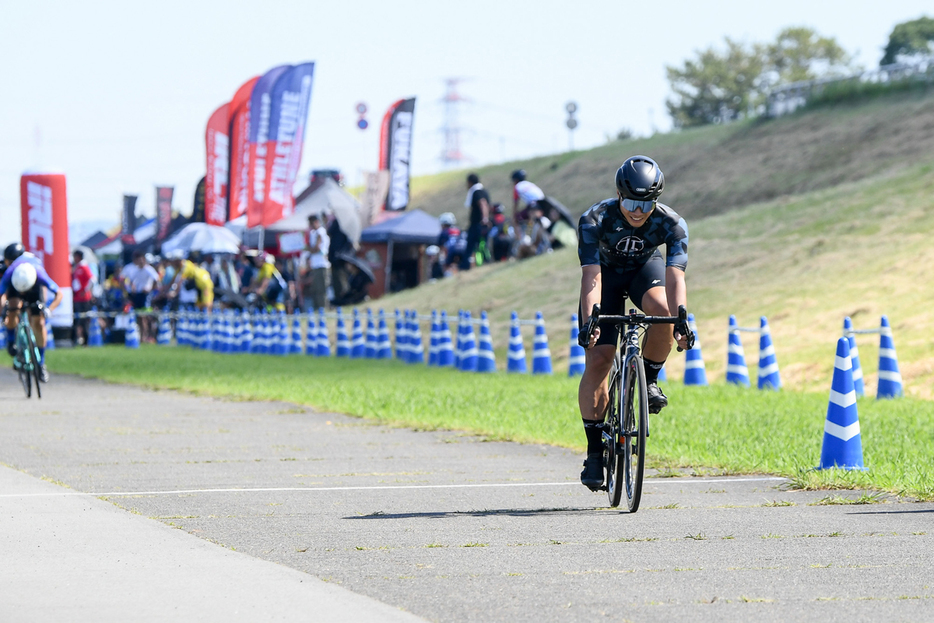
x: 618, y: 249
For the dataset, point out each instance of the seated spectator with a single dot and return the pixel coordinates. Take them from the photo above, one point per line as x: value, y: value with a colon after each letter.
x: 535, y: 241
x: 502, y: 237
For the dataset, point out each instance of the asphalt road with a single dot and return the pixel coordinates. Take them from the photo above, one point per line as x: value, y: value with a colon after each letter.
x: 450, y: 527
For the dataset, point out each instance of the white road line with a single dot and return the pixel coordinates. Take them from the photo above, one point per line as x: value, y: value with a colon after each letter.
x: 648, y: 481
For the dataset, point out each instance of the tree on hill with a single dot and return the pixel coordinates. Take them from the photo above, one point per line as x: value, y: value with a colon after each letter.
x: 799, y: 54
x: 719, y: 87
x: 914, y: 38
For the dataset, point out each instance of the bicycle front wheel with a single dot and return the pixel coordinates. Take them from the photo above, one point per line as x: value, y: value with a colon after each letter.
x: 635, y: 410
x: 612, y: 440
x: 33, y: 359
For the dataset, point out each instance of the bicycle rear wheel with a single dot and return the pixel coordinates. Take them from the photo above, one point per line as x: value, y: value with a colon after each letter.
x: 635, y: 411
x: 613, y: 458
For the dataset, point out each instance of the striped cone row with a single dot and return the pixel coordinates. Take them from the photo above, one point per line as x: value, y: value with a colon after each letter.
x: 416, y: 350
x: 323, y: 346
x: 467, y: 361
x: 372, y: 337
x: 383, y: 345
x: 402, y: 337
x: 736, y: 371
x: 311, y: 336
x: 768, y: 365
x: 357, y: 342
x: 445, y: 345
x: 842, y: 444
x: 890, y: 379
x: 694, y: 371
x: 578, y: 359
x: 295, y: 345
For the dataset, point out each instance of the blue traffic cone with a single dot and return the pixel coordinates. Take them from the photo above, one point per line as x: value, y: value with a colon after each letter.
x: 180, y: 322
x: 311, y: 335
x: 842, y: 446
x: 468, y: 361
x: 295, y: 344
x: 216, y: 331
x: 662, y: 375
x: 372, y: 337
x: 281, y: 335
x: 433, y: 339
x: 854, y: 357
x: 401, y: 337
x: 2, y: 340
x: 768, y: 365
x: 50, y: 340
x: 694, y: 371
x: 343, y: 341
x: 416, y: 349
x: 324, y: 342
x: 486, y: 360
x: 383, y: 344
x: 541, y: 355
x: 890, y: 379
x: 357, y: 341
x: 736, y: 371
x: 445, y: 347
x: 207, y: 338
x: 256, y: 325
x: 578, y: 359
x: 459, y: 341
x: 227, y: 335
x: 132, y: 333
x: 246, y: 333
x: 516, y: 356
x: 94, y: 329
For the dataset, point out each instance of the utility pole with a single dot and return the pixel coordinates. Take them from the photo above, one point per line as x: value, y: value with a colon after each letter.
x: 451, y: 154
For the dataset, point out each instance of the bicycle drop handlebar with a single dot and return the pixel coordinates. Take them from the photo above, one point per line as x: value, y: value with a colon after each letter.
x: 632, y: 318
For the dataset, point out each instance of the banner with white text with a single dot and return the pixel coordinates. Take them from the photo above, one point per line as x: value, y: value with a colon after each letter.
x: 260, y: 110
x: 217, y: 144
x: 395, y: 152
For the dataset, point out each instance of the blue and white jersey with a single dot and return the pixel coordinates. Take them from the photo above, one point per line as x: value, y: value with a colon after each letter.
x: 606, y: 238
x: 42, y: 277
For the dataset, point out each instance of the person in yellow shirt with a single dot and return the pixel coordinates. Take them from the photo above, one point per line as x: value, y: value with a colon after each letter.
x: 187, y: 271
x: 268, y: 283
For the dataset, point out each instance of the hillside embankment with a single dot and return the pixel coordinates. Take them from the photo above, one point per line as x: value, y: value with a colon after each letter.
x: 842, y: 227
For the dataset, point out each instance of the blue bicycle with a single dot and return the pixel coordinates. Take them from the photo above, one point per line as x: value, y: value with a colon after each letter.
x: 26, y: 359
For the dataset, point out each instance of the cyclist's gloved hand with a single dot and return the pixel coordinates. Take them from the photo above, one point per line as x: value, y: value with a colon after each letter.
x: 684, y: 336
x: 589, y: 334
x: 46, y: 312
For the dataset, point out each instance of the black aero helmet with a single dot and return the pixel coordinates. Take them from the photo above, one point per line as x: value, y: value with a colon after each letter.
x: 13, y: 251
x: 518, y: 175
x: 640, y: 179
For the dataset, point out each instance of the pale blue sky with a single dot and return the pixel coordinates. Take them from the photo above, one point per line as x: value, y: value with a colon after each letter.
x: 116, y: 94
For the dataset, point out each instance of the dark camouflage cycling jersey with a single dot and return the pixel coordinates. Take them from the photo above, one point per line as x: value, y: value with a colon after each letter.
x: 607, y: 239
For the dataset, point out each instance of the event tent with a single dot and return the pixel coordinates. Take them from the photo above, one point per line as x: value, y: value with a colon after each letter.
x: 394, y: 248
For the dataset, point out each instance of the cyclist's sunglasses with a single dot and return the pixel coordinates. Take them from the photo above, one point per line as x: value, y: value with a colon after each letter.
x: 631, y: 205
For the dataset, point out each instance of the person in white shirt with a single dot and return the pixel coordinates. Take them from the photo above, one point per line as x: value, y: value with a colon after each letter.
x: 314, y: 279
x: 528, y: 192
x: 138, y: 280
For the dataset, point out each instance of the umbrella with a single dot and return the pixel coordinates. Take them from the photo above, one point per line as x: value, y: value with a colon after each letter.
x: 329, y: 197
x: 563, y: 212
x: 359, y: 263
x: 204, y: 238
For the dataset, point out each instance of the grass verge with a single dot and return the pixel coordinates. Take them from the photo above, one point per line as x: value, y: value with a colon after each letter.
x: 722, y: 427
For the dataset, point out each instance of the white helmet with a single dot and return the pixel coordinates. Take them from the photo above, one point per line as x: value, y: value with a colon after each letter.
x: 448, y: 219
x: 24, y: 277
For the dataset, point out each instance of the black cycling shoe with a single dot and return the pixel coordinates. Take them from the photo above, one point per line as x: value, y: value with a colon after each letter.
x: 657, y: 399
x: 592, y: 476
x: 43, y: 373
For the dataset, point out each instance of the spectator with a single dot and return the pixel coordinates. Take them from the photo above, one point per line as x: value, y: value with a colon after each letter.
x: 526, y: 191
x: 535, y: 241
x: 314, y: 281
x: 138, y: 280
x: 452, y: 242
x: 82, y: 284
x: 192, y: 283
x: 290, y: 297
x: 502, y: 236
x: 339, y: 244
x: 433, y: 253
x: 561, y: 233
x: 478, y: 202
x: 268, y: 284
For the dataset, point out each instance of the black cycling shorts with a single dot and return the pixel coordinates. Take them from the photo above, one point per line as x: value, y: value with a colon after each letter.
x: 618, y: 286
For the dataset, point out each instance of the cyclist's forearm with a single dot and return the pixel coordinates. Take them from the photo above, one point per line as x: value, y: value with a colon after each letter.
x: 675, y: 289
x: 591, y: 289
x: 56, y: 301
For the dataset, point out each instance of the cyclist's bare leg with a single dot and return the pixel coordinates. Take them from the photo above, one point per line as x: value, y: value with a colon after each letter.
x: 38, y: 328
x: 592, y: 395
x: 658, y: 337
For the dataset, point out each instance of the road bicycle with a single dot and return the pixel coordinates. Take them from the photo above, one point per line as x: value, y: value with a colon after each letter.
x: 626, y: 427
x: 26, y: 359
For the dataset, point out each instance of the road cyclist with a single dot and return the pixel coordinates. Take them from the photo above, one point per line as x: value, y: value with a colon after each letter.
x: 25, y: 284
x: 618, y: 241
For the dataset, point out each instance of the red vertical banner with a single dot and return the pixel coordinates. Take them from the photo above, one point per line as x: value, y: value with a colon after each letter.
x: 44, y: 210
x: 260, y: 110
x: 240, y: 150
x: 217, y: 143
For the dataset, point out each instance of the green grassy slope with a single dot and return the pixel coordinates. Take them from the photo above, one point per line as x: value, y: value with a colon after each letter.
x: 860, y: 249
x: 713, y: 169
